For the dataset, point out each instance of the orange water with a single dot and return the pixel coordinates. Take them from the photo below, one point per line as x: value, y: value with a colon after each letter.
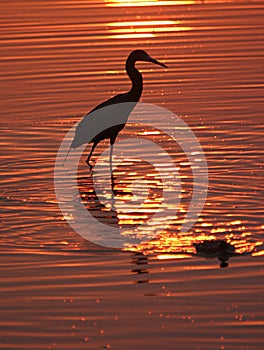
x: 58, y: 60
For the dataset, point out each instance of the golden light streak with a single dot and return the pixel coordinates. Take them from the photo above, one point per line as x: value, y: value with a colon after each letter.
x: 121, y: 3
x: 152, y: 30
x: 149, y: 133
x: 144, y: 29
x: 130, y: 3
x: 260, y: 253
x: 173, y: 256
x: 64, y: 242
x: 142, y: 23
x: 131, y: 36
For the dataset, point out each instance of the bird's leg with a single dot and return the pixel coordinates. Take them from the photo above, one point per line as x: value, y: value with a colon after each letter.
x: 111, y: 166
x: 112, y: 141
x: 90, y: 154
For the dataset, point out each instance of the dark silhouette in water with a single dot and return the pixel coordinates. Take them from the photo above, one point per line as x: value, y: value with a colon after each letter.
x: 216, y: 249
x: 133, y: 95
x: 93, y: 203
x: 141, y: 262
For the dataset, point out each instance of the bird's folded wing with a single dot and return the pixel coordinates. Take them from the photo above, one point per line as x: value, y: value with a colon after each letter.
x: 99, y: 120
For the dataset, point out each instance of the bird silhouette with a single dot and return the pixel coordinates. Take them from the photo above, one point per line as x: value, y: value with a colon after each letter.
x: 97, y: 119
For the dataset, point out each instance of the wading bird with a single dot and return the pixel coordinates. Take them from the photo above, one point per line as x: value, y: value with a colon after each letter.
x: 93, y: 118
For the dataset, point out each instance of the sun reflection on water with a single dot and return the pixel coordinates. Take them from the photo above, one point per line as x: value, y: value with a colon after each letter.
x: 134, y: 3
x: 170, y: 244
x: 117, y: 3
x: 144, y: 29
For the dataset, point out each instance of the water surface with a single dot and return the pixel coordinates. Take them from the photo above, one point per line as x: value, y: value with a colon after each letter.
x: 58, y: 60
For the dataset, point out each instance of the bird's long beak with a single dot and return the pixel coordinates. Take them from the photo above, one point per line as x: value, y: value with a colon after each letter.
x: 157, y: 62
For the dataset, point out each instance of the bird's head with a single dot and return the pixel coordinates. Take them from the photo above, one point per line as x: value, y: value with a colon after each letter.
x: 141, y: 55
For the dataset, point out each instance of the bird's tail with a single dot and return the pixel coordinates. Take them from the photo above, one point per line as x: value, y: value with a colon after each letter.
x: 67, y: 155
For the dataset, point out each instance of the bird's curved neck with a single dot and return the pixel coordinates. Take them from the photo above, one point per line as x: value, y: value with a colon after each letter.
x: 136, y: 79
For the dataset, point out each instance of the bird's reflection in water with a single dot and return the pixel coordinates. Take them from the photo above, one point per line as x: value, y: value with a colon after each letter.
x: 115, y: 195
x: 90, y: 199
x: 109, y: 217
x: 141, y: 262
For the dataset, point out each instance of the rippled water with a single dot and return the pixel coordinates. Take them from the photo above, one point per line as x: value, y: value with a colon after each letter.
x: 58, y: 60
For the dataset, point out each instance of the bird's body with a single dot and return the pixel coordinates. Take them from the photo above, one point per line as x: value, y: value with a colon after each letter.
x: 93, y: 118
